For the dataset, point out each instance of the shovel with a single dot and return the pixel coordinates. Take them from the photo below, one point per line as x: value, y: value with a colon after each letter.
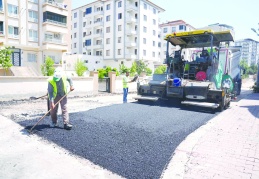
x: 35, y: 98
x: 46, y: 113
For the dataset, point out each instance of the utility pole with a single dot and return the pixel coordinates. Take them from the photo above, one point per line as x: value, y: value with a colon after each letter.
x: 257, y: 79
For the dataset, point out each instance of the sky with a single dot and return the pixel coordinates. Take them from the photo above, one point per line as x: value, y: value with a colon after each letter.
x: 240, y: 14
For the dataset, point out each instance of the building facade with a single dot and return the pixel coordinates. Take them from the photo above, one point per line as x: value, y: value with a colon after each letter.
x: 169, y: 28
x: 250, y: 50
x: 119, y: 31
x: 35, y: 30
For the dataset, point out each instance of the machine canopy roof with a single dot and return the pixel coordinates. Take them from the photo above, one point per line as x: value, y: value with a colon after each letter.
x: 199, y: 38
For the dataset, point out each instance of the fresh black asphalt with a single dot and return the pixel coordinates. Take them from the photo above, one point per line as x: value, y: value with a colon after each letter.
x: 133, y: 140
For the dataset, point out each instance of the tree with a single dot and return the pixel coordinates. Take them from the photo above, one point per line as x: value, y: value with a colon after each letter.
x: 80, y: 67
x: 141, y: 66
x: 47, y: 68
x: 148, y: 71
x: 123, y: 69
x: 160, y: 70
x: 5, y: 58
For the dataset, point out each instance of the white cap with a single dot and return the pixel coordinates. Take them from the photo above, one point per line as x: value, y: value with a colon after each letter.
x: 57, y: 74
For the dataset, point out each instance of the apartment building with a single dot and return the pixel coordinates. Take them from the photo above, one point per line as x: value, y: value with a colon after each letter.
x: 35, y: 29
x: 250, y: 50
x: 119, y: 31
x: 169, y: 28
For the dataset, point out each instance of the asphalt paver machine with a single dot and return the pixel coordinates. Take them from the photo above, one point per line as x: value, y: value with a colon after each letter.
x: 209, y: 77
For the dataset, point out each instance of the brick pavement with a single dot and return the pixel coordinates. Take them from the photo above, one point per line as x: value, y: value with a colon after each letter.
x: 226, y: 147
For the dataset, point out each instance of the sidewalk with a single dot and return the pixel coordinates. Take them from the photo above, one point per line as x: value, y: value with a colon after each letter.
x: 226, y: 147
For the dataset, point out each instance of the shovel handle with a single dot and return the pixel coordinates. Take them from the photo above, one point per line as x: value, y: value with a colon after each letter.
x: 47, y: 113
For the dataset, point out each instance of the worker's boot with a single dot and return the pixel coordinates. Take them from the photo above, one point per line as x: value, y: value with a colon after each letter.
x: 68, y: 126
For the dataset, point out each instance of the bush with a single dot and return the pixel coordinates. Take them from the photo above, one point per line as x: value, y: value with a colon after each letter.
x: 255, y: 88
x: 102, y: 73
x: 5, y: 58
x: 80, y: 68
x: 160, y: 70
x: 148, y: 71
x: 47, y: 68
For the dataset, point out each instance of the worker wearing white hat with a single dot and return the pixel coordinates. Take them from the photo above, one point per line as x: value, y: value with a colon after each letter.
x: 57, y: 88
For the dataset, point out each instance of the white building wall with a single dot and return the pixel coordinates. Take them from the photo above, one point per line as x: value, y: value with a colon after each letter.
x: 128, y: 44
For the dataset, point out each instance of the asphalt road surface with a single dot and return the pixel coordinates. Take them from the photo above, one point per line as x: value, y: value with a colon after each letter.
x: 133, y: 140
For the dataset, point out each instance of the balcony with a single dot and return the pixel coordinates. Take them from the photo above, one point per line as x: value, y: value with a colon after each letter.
x: 13, y: 36
x: 54, y: 44
x: 98, y: 46
x: 34, y: 1
x: 98, y: 23
x: 131, y: 19
x: 131, y: 56
x: 98, y: 13
x: 57, y: 8
x: 131, y: 44
x: 98, y: 35
x: 131, y: 32
x: 54, y: 26
x: 33, y: 39
x: 131, y: 7
x: 33, y: 20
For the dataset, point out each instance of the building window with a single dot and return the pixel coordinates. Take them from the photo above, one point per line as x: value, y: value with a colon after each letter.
x: 154, y: 22
x: 74, y: 45
x: 136, y: 4
x: 88, y: 10
x: 119, y: 15
x: 108, y: 29
x: 119, y: 39
x: 75, y: 25
x: 108, y: 18
x: 119, y: 27
x: 108, y: 6
x: 88, y: 42
x: 136, y: 51
x: 136, y: 39
x: 13, y: 32
x: 53, y: 17
x: 144, y: 41
x: 145, y: 18
x: 159, y: 44
x: 145, y: 6
x: 144, y: 52
x: 98, y: 53
x: 154, y: 10
x: 144, y: 29
x: 165, y: 30
x: 32, y: 57
x: 154, y: 54
x: 119, y: 4
x: 33, y: 16
x: 84, y: 24
x: 74, y: 35
x: 33, y: 35
x: 154, y: 43
x: 12, y: 10
x: 119, y: 51
x: 75, y: 15
x: 182, y: 27
x: 154, y: 32
x: 107, y: 52
x: 108, y: 41
x: 173, y: 29
x: 136, y: 16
